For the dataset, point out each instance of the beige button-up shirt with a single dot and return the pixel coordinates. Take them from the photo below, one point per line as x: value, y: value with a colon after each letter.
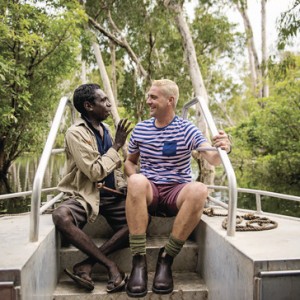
x: 85, y: 167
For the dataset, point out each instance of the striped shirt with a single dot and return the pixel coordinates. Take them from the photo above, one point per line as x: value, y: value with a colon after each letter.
x: 165, y: 153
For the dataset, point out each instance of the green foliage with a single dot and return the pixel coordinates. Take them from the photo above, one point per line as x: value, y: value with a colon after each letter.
x: 270, y: 137
x: 38, y: 50
x: 150, y: 31
x: 289, y: 24
x: 39, y: 47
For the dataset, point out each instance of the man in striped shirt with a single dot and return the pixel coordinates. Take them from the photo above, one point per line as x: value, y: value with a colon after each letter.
x: 163, y: 186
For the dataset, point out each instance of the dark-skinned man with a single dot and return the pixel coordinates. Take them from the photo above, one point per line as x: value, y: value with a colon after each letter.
x: 92, y: 161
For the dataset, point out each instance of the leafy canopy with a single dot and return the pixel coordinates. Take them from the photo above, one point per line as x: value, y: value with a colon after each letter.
x: 270, y: 137
x: 38, y: 51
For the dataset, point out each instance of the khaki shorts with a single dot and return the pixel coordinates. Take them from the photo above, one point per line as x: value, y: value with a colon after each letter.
x: 112, y: 209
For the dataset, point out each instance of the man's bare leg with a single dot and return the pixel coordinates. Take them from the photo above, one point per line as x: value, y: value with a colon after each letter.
x: 64, y: 222
x: 118, y: 241
x: 190, y: 202
x: 139, y: 196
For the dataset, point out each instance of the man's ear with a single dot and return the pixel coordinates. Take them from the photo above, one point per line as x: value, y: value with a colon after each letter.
x: 171, y: 100
x: 87, y: 106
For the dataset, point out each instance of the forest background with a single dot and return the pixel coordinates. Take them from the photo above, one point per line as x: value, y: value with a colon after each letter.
x: 48, y: 48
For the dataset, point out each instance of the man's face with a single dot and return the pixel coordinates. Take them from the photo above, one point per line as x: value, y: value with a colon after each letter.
x: 101, y: 108
x: 157, y: 101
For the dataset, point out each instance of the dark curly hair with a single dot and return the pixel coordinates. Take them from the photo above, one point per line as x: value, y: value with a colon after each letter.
x: 85, y: 92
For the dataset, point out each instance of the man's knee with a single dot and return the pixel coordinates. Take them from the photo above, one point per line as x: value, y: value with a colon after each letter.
x: 139, y: 190
x: 202, y: 190
x: 137, y: 180
x: 62, y: 217
x: 197, y: 194
x: 137, y: 185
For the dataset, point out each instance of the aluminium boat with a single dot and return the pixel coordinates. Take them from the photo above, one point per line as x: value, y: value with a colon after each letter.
x: 222, y: 260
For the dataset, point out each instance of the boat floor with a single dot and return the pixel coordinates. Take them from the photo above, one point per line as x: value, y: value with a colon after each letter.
x: 251, y: 264
x: 282, y: 242
x: 243, y: 255
x: 15, y: 248
x: 279, y: 243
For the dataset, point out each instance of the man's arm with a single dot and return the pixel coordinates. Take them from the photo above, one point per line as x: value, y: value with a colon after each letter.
x: 220, y: 140
x: 87, y: 158
x: 131, y: 163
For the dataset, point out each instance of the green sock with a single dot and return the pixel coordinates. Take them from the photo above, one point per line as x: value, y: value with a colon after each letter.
x: 137, y: 243
x: 173, y: 246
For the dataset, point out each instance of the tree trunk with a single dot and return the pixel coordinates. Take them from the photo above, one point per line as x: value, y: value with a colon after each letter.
x: 106, y: 83
x: 252, y: 53
x: 264, y: 67
x: 140, y: 73
x: 122, y: 43
x: 112, y: 47
x: 4, y: 166
x: 252, y: 68
x: 207, y: 171
x: 83, y: 71
x: 108, y: 90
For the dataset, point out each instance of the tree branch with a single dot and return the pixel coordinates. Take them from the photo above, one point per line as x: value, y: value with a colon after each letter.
x: 122, y: 43
x: 61, y: 38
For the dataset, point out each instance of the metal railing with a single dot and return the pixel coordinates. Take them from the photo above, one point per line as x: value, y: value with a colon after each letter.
x: 257, y: 193
x: 24, y: 194
x: 37, y: 184
x: 232, y: 203
x: 39, y: 176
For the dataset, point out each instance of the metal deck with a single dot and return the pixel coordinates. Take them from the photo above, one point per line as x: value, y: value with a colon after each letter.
x: 250, y: 265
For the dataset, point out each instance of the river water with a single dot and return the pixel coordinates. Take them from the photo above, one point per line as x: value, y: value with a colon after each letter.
x: 22, y: 172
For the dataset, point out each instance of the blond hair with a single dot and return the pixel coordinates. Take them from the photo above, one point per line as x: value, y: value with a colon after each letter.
x: 168, y: 87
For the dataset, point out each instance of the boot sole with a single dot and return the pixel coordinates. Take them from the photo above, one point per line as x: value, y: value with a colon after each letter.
x: 136, y: 295
x: 156, y: 291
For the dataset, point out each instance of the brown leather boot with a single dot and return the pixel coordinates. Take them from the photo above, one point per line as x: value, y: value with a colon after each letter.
x: 137, y: 282
x: 163, y: 279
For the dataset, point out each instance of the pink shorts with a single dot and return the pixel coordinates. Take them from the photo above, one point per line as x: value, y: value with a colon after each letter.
x: 164, y: 199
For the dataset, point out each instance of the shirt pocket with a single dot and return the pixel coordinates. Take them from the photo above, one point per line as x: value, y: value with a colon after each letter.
x: 169, y: 148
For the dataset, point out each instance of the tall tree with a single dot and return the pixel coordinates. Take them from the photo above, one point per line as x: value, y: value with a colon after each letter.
x: 206, y: 170
x: 38, y: 43
x: 152, y: 53
x: 254, y: 64
x: 269, y: 138
x: 264, y: 53
x: 102, y: 21
x: 259, y: 71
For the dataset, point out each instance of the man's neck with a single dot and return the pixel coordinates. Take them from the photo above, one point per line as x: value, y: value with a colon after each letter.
x: 164, y: 121
x: 95, y: 124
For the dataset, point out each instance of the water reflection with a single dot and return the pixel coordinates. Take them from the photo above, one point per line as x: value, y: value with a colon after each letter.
x: 22, y: 172
x: 21, y: 177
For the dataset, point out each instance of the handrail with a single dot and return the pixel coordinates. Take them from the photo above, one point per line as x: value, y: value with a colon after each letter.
x: 258, y: 193
x: 232, y: 204
x: 51, y: 202
x: 39, y: 176
x: 24, y: 194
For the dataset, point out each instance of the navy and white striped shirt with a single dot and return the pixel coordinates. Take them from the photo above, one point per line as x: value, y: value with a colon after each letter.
x: 165, y: 153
